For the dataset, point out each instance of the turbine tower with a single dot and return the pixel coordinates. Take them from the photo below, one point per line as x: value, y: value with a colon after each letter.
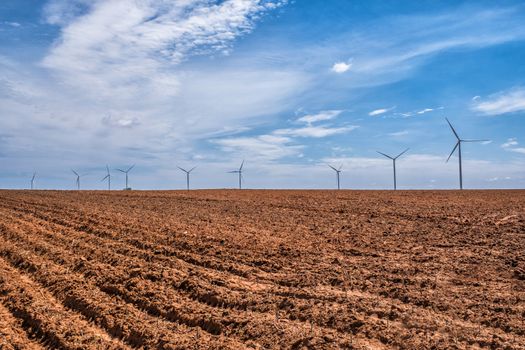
x: 108, y: 176
x: 394, y: 164
x: 78, y: 179
x: 458, y: 146
x: 33, y: 180
x: 126, y: 172
x: 338, y: 173
x: 240, y: 174
x: 187, y: 176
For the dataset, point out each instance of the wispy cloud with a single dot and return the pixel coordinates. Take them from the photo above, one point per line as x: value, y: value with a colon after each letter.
x: 419, y: 112
x: 281, y: 143
x: 315, y: 131
x: 399, y: 133
x: 509, y: 101
x: 120, y: 122
x: 12, y: 24
x: 264, y: 147
x: 380, y: 111
x: 321, y: 116
x: 512, y: 145
x: 127, y: 55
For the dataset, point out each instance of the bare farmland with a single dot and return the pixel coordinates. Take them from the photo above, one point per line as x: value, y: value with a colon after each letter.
x: 262, y: 270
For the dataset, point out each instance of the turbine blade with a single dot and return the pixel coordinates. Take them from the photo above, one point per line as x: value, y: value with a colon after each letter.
x: 105, y: 178
x: 182, y: 169
x: 386, y: 155
x: 242, y: 164
x: 107, y: 168
x: 131, y: 167
x: 474, y: 140
x: 341, y: 167
x: 122, y: 171
x: 233, y: 172
x: 453, y: 150
x: 74, y: 172
x: 332, y: 167
x: 453, y: 130
x: 192, y: 169
x: 400, y: 154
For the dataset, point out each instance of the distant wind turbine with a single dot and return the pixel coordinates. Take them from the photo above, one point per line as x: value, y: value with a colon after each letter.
x: 338, y: 173
x: 33, y: 180
x: 78, y: 178
x: 240, y: 174
x: 394, y: 164
x: 108, y: 176
x: 126, y: 172
x: 187, y: 176
x: 458, y: 146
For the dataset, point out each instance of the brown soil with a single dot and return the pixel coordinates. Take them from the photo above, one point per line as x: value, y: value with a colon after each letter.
x: 262, y: 270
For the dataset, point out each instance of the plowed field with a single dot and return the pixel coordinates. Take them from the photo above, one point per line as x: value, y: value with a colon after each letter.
x: 262, y: 270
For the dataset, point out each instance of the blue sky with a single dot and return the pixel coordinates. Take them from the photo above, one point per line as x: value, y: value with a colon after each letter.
x: 290, y: 86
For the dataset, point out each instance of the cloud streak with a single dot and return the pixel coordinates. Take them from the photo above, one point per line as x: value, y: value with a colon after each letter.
x: 504, y: 102
x: 380, y: 111
x: 321, y: 116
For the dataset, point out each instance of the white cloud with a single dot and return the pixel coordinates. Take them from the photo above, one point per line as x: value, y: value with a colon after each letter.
x: 509, y: 101
x: 511, y: 145
x: 315, y: 131
x: 264, y: 147
x: 341, y: 67
x: 125, y: 56
x: 324, y: 115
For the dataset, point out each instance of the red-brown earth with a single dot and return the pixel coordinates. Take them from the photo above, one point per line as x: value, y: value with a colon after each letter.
x: 262, y: 270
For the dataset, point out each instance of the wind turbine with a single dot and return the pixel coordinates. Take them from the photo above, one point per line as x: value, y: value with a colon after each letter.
x: 240, y: 174
x: 126, y: 172
x: 33, y: 180
x: 187, y: 176
x: 338, y: 173
x: 78, y: 179
x: 394, y: 163
x: 108, y: 176
x: 458, y: 146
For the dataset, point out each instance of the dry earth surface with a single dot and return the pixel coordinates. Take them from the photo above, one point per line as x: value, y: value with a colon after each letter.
x: 262, y: 270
